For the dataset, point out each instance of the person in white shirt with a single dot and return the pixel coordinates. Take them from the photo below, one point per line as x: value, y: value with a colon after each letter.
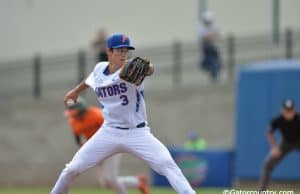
x: 208, y: 35
x: 125, y: 127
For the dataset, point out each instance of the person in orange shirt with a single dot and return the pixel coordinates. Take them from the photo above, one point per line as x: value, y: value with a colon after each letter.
x: 85, y: 121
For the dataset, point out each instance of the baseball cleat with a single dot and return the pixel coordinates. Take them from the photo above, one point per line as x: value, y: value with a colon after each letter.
x: 144, y: 185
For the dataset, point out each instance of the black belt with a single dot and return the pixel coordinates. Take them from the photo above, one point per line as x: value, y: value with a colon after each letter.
x: 141, y: 125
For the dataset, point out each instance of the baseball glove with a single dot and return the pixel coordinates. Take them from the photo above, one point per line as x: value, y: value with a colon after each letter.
x: 135, y: 70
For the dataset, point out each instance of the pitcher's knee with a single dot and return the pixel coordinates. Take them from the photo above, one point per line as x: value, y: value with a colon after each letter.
x: 166, y: 164
x: 72, y: 170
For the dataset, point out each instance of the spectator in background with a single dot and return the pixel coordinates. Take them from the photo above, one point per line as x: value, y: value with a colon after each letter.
x: 288, y: 123
x: 208, y: 35
x: 99, y: 46
x: 195, y: 142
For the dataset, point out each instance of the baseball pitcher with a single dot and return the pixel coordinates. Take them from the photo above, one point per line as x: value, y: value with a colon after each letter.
x: 119, y: 87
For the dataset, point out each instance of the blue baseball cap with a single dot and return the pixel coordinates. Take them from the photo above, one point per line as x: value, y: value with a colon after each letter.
x: 119, y: 41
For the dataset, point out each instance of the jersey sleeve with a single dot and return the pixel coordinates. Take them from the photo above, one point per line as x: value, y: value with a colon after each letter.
x: 90, y: 80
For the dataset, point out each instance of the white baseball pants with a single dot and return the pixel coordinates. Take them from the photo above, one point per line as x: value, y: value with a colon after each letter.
x: 138, y: 141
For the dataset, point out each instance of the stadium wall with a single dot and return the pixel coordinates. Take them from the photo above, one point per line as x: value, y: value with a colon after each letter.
x: 261, y: 88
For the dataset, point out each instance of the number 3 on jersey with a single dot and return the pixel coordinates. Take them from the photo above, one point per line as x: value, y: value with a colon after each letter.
x: 125, y: 100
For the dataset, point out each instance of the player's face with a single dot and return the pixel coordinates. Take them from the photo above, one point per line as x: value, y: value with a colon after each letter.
x: 118, y: 56
x: 288, y: 114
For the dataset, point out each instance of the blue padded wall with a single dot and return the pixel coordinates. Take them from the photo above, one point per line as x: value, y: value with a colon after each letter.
x: 209, y: 168
x: 261, y: 88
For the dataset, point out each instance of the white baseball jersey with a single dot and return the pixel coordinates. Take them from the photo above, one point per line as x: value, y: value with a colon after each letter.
x: 123, y: 102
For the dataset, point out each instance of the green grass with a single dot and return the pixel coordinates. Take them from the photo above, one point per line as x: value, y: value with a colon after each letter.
x: 93, y: 190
